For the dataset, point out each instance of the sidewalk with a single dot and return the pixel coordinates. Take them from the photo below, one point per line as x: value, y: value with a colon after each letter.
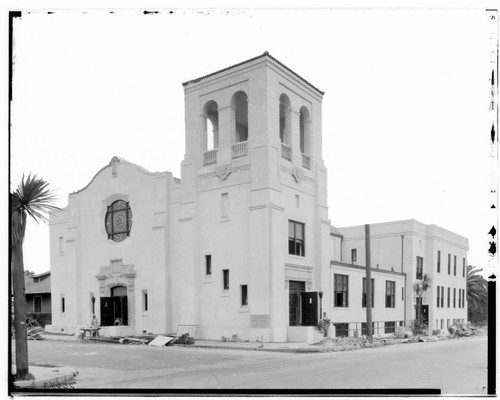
x: 46, y: 377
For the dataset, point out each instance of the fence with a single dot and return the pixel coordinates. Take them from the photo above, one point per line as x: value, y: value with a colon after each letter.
x: 240, y: 149
x: 210, y: 157
x: 357, y: 329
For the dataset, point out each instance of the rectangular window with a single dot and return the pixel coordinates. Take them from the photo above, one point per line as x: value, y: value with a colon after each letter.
x: 341, y: 330
x: 63, y: 304
x: 449, y: 264
x: 354, y: 255
x: 442, y: 296
x: 224, y: 205
x: 420, y: 267
x: 455, y: 265
x: 448, y: 301
x: 390, y: 290
x: 225, y: 279
x: 454, y: 297
x: 390, y: 327
x: 437, y: 302
x: 402, y: 293
x: 463, y: 268
x: 442, y: 324
x: 296, y: 238
x: 61, y: 245
x: 144, y: 300
x: 439, y: 261
x: 244, y: 295
x: 340, y: 294
x: 37, y: 304
x: 463, y: 298
x: 459, y: 298
x: 297, y: 201
x: 363, y: 299
x: 208, y: 264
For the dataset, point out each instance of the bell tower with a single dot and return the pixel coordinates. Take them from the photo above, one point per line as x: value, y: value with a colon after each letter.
x: 253, y: 201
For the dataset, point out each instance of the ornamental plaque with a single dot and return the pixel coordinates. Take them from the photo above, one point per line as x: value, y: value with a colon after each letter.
x: 223, y: 171
x: 298, y: 174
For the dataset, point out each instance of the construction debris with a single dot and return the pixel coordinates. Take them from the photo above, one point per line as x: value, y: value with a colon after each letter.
x: 35, y: 333
x: 161, y: 341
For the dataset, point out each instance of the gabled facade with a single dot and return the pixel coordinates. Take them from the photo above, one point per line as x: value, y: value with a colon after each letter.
x: 38, y: 297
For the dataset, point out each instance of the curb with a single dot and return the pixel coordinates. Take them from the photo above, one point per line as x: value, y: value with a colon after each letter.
x: 46, y: 383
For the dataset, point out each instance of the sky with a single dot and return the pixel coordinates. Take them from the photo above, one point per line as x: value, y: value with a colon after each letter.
x: 406, y: 116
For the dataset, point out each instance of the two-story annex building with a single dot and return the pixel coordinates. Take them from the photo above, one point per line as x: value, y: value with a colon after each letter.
x: 241, y: 244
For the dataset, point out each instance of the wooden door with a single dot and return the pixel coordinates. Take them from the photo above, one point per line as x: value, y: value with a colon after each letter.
x: 310, y: 309
x: 107, y: 311
x: 296, y: 289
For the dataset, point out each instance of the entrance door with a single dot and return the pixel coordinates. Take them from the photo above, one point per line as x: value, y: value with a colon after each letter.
x: 296, y: 289
x: 425, y: 314
x: 310, y: 308
x: 114, y: 310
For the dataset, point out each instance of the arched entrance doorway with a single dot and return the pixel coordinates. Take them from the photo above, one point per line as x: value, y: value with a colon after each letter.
x: 114, y: 310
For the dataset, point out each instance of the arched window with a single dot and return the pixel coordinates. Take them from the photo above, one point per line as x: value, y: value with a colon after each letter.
x: 285, y: 119
x: 240, y: 104
x: 305, y: 123
x: 211, y: 126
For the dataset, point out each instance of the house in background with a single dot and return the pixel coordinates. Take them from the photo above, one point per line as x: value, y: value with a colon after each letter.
x: 38, y: 297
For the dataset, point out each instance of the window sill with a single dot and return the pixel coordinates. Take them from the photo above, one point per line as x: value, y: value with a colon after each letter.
x: 243, y: 309
x: 225, y: 293
x: 145, y: 313
x: 208, y: 279
x: 296, y: 256
x: 341, y: 308
x: 225, y: 219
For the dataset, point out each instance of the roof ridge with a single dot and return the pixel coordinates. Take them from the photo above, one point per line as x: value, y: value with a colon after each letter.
x: 265, y: 54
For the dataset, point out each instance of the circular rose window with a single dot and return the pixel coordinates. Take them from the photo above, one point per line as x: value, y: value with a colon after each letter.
x: 118, y: 220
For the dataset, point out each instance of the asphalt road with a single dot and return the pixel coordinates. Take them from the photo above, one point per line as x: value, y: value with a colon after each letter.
x: 456, y: 366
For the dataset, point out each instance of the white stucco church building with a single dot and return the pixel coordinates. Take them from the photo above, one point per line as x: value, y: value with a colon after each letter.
x: 242, y: 243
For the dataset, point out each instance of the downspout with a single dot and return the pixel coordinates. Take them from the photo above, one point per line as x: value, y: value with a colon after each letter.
x: 402, y: 261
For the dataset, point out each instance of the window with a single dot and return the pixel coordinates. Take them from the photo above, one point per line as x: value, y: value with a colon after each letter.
x: 297, y: 201
x: 208, y: 264
x: 211, y: 126
x: 390, y: 327
x: 463, y: 268
x: 240, y: 104
x: 448, y: 301
x: 390, y: 290
x: 37, y: 304
x: 341, y: 330
x: 63, y: 304
x: 61, y: 244
x: 438, y: 292
x: 225, y: 279
x: 442, y: 296
x: 144, y: 300
x: 118, y: 220
x: 455, y: 265
x: 420, y: 267
x: 439, y: 261
x: 354, y: 255
x: 459, y: 298
x: 454, y: 297
x: 364, y: 326
x: 442, y: 324
x: 244, y: 295
x: 304, y: 123
x: 340, y: 294
x: 285, y: 119
x: 402, y: 293
x: 449, y: 264
x: 296, y: 238
x: 224, y: 205
x: 363, y: 300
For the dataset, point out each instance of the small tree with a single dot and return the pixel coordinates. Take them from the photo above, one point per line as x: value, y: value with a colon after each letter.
x: 32, y: 197
x: 419, y: 288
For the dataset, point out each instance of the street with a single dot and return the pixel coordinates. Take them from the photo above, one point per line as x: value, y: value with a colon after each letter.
x: 456, y: 366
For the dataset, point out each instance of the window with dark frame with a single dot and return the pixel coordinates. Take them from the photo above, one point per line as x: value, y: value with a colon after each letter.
x: 144, y: 300
x: 463, y: 269
x: 390, y: 290
x: 63, y: 305
x: 455, y: 265
x: 37, y: 304
x: 449, y: 264
x: 208, y: 264
x: 364, y: 326
x: 442, y: 296
x: 448, y: 301
x: 225, y: 279
x: 390, y: 327
x: 244, y: 295
x: 341, y: 330
x: 420, y: 267
x: 363, y: 298
x: 439, y: 261
x: 454, y: 297
x: 118, y: 220
x: 341, y: 290
x: 296, y: 238
x: 354, y: 255
x: 437, y: 302
x: 402, y: 293
x: 459, y: 298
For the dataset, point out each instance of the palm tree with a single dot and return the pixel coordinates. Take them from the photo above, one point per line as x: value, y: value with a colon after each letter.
x: 477, y: 293
x: 420, y: 287
x: 31, y: 198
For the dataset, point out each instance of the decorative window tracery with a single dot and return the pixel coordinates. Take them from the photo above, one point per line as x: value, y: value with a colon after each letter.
x: 118, y: 220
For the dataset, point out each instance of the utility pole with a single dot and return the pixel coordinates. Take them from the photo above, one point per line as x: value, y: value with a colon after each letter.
x: 368, y: 284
